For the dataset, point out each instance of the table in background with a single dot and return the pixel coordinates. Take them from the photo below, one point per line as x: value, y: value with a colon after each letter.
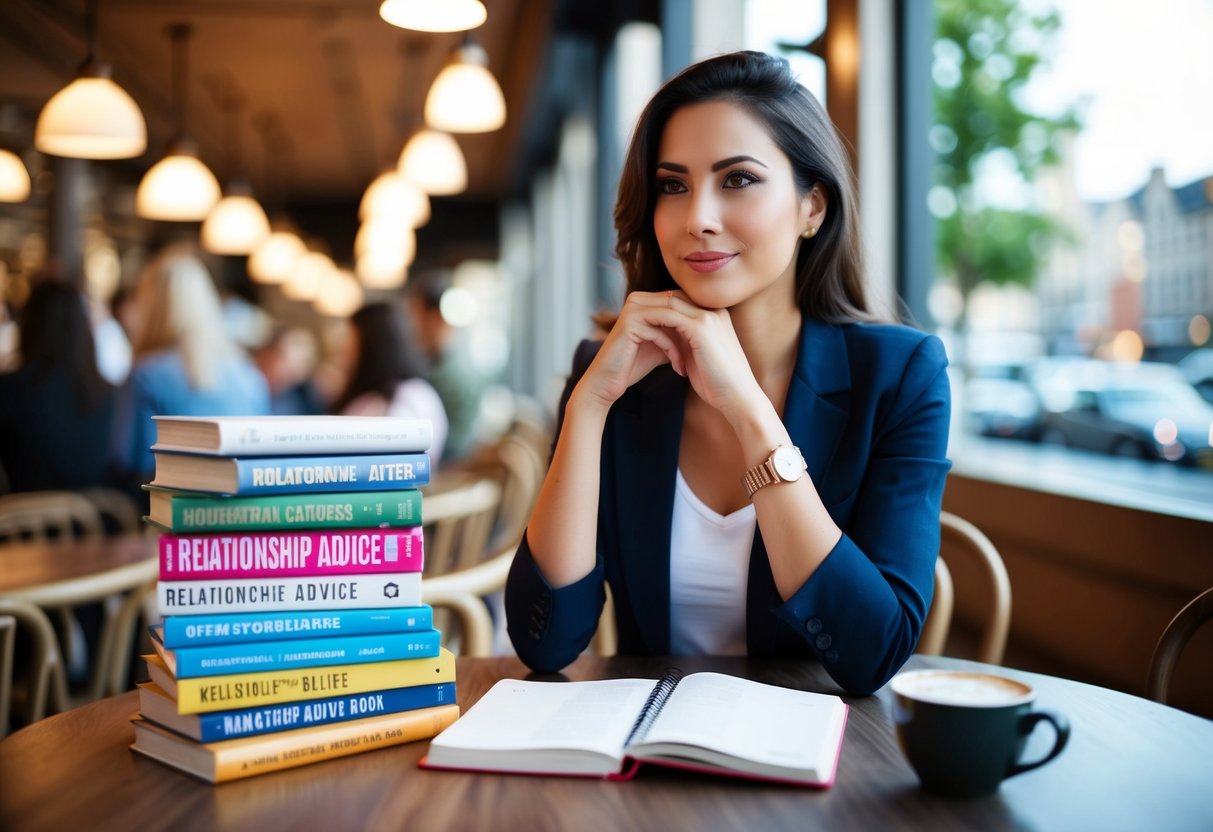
x: 1130, y: 764
x: 60, y: 572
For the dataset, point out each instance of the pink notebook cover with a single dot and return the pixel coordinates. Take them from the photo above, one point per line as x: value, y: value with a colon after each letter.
x: 189, y: 557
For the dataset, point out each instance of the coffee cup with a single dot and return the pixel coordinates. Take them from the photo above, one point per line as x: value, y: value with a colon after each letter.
x: 964, y: 732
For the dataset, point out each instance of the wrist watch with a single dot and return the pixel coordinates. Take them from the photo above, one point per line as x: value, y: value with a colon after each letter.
x: 785, y: 464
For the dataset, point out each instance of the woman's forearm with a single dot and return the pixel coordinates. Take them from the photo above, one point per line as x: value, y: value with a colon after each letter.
x: 564, y: 523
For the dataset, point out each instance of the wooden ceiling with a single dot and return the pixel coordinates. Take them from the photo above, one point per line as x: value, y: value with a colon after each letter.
x: 326, y: 92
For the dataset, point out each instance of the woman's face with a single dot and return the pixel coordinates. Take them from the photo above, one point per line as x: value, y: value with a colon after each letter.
x: 728, y: 218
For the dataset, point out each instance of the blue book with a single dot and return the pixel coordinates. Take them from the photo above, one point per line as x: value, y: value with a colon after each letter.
x: 291, y: 474
x: 224, y: 659
x: 159, y: 707
x: 234, y: 628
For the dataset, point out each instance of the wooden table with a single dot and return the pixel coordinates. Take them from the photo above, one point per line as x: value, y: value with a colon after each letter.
x: 51, y: 574
x: 1130, y: 764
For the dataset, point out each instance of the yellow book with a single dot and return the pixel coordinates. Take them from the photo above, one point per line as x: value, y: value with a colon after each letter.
x: 246, y: 690
x: 219, y: 762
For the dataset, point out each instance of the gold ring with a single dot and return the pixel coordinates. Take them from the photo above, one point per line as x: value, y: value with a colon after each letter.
x: 669, y: 296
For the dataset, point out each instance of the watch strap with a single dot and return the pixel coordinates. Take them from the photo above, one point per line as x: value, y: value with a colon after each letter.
x: 758, y: 476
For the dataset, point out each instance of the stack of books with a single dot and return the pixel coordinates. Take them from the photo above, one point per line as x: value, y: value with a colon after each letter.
x: 290, y: 590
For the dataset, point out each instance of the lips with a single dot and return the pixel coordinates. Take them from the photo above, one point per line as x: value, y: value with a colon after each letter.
x: 708, y: 261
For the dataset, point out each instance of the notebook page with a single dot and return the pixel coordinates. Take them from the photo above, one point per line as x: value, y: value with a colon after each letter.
x: 520, y: 715
x: 750, y: 720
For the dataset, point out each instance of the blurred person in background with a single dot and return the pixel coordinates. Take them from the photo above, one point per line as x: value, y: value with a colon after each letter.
x: 451, y: 369
x: 385, y: 373
x: 185, y: 364
x: 56, y: 409
x: 288, y: 360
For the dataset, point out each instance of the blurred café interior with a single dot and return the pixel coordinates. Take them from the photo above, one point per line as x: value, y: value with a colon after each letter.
x: 322, y: 156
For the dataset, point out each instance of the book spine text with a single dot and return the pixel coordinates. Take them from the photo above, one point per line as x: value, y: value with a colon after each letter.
x: 304, y: 652
x: 227, y: 725
x: 390, y: 589
x: 186, y: 630
x: 197, y: 513
x: 368, y: 473
x: 286, y: 554
x: 246, y: 690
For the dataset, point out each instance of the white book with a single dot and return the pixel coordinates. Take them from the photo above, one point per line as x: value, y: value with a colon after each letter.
x: 361, y: 591
x: 707, y: 722
x: 285, y: 435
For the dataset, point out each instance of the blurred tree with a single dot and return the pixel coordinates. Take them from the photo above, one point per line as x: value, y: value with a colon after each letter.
x: 984, y: 54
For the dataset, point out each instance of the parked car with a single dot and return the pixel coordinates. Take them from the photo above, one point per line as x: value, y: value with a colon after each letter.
x: 1004, y: 407
x: 1144, y: 410
x: 1197, y: 367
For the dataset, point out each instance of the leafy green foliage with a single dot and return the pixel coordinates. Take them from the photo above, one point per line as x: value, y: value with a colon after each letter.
x: 985, y: 53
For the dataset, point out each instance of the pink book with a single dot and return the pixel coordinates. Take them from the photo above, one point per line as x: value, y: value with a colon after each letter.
x: 187, y: 557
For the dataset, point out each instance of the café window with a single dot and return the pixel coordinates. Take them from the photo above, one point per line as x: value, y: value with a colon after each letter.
x: 1072, y: 202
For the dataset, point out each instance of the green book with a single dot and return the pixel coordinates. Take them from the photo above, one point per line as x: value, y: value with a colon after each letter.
x: 184, y: 512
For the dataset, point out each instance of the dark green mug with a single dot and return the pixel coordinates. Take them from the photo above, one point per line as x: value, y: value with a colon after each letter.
x: 964, y: 733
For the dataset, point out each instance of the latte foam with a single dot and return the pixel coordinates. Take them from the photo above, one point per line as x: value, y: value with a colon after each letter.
x: 951, y: 687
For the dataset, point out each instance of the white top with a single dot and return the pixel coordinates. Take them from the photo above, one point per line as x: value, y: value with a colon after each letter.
x: 709, y: 568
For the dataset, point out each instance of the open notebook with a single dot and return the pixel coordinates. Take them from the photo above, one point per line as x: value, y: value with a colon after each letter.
x: 702, y: 721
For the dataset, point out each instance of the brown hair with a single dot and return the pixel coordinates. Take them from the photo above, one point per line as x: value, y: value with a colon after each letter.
x: 829, y: 267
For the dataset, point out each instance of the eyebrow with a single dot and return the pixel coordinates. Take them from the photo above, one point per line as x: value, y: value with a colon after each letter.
x: 718, y: 166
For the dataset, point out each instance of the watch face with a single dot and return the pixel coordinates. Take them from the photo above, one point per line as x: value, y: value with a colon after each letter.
x: 789, y: 464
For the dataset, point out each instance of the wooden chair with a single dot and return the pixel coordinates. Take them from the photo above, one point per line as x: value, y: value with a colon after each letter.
x: 457, y: 523
x: 42, y: 516
x: 48, y: 515
x: 959, y: 536
x: 45, y: 677
x: 464, y: 594
x: 1175, y: 637
x: 117, y: 509
x: 8, y: 649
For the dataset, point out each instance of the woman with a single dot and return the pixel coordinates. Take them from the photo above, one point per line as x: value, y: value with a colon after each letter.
x: 385, y: 373
x: 56, y: 410
x: 752, y: 462
x: 185, y: 362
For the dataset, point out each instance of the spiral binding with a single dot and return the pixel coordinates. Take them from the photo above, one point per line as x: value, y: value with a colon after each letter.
x: 653, y: 705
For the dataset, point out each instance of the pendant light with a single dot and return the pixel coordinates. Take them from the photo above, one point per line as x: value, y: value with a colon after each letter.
x: 432, y: 161
x: 275, y: 257
x: 237, y: 224
x: 340, y: 294
x: 14, y: 178
x: 390, y: 195
x: 179, y: 187
x: 465, y: 97
x: 92, y: 117
x: 434, y: 15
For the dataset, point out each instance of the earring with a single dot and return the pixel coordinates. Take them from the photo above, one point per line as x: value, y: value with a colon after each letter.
x: 809, y: 233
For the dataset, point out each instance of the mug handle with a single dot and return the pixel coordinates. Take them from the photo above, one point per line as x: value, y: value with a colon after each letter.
x: 1028, y: 723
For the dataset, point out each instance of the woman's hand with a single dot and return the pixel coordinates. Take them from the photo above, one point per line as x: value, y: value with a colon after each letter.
x: 657, y: 328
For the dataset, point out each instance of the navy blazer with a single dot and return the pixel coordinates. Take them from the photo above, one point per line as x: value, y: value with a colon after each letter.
x: 868, y: 405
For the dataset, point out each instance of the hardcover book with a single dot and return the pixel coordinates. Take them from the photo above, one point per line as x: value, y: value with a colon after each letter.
x: 187, y: 630
x: 291, y: 474
x: 385, y: 589
x: 218, y: 762
x: 271, y: 687
x: 289, y: 554
x: 706, y: 722
x: 191, y: 662
x: 283, y: 435
x: 159, y: 707
x: 187, y: 512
